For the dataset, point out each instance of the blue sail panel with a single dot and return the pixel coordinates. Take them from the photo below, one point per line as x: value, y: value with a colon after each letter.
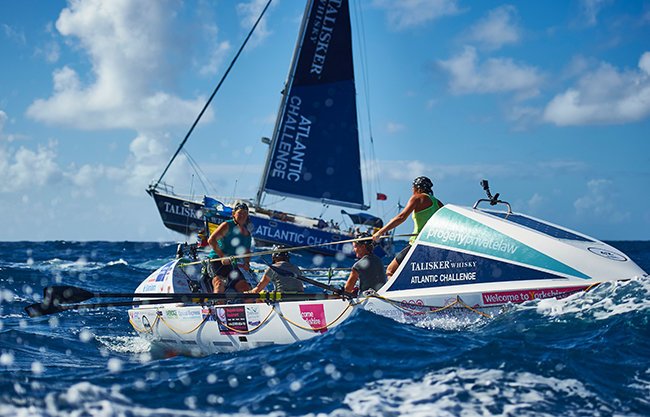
x: 315, y: 149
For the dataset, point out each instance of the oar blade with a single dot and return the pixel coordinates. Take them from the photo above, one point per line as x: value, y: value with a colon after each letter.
x: 65, y: 294
x: 41, y: 309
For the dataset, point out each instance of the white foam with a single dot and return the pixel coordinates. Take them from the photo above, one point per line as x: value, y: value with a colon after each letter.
x: 125, y: 344
x: 86, y: 399
x: 118, y: 262
x: 452, y: 392
x: 604, y: 301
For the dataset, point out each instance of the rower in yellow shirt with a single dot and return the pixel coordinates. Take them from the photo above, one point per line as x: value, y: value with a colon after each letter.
x: 421, y: 207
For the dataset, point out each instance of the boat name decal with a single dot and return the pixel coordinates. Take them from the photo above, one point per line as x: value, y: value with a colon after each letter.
x: 180, y: 210
x: 455, y: 230
x: 455, y: 276
x: 471, y: 241
x: 321, y: 32
x: 290, y: 149
x: 430, y: 266
x: 504, y: 297
x: 264, y: 231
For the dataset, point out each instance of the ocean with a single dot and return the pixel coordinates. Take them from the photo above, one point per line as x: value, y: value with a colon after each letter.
x: 586, y: 355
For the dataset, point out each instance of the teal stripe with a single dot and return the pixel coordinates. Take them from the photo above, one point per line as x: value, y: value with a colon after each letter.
x: 451, y: 229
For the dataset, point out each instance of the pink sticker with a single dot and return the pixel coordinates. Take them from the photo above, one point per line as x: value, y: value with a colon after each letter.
x: 314, y: 315
x: 527, y: 295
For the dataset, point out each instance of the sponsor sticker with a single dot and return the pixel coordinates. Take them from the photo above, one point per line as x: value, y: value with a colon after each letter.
x: 521, y: 296
x: 231, y: 320
x: 150, y: 288
x: 190, y: 314
x: 253, y: 316
x: 314, y: 315
x: 605, y: 253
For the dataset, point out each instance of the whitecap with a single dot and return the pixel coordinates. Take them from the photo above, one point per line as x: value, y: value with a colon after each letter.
x: 86, y: 399
x: 607, y: 300
x: 125, y: 344
x: 452, y: 392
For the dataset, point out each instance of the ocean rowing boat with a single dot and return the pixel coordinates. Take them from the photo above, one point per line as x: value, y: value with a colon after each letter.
x: 465, y: 258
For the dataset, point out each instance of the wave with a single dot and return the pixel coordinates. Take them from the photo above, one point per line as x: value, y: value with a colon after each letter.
x: 477, y: 391
x: 605, y: 301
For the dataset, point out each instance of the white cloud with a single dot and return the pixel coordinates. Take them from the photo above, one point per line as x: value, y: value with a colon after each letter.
x: 218, y: 53
x: 14, y: 34
x: 393, y: 127
x: 598, y: 202
x: 590, y: 10
x: 405, y: 14
x: 3, y: 120
x: 24, y: 168
x: 249, y: 13
x: 494, y: 75
x: 409, y: 169
x: 498, y: 28
x: 134, y: 48
x: 536, y: 202
x: 604, y: 96
x: 523, y: 116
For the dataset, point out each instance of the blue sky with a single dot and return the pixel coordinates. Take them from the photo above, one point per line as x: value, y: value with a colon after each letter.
x: 551, y: 103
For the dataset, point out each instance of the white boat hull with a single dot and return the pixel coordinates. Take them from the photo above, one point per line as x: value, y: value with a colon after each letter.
x: 201, y: 330
x: 464, y: 260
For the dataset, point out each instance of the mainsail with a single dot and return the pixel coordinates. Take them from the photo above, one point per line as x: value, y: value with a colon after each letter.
x: 314, y: 153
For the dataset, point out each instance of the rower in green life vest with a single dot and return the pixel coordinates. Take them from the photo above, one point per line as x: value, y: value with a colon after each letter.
x: 421, y: 206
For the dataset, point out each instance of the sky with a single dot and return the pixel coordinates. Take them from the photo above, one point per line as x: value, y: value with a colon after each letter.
x: 549, y: 101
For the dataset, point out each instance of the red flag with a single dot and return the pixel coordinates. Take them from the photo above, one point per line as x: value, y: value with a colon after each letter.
x: 382, y: 196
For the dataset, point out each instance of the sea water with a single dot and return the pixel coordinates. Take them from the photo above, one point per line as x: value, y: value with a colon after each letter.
x: 581, y: 356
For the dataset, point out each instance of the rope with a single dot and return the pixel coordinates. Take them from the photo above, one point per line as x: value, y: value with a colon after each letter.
x: 139, y: 330
x: 399, y: 304
x: 317, y: 329
x: 187, y: 332
x: 249, y: 330
x: 432, y: 309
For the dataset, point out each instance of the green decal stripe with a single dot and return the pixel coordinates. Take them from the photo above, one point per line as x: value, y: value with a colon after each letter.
x: 452, y: 229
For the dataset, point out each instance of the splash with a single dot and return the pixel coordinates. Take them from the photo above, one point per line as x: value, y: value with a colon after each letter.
x: 605, y: 301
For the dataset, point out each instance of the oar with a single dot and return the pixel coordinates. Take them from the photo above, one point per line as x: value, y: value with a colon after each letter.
x: 291, y: 249
x: 67, y: 294
x: 45, y: 308
x: 339, y: 291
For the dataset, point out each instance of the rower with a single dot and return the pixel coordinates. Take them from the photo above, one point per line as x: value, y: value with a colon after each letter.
x: 422, y: 205
x: 230, y: 239
x: 281, y: 282
x: 368, y: 270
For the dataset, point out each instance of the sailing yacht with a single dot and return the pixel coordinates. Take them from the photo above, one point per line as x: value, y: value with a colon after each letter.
x: 314, y: 150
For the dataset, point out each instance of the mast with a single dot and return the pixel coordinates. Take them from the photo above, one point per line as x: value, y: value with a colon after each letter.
x: 283, y: 101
